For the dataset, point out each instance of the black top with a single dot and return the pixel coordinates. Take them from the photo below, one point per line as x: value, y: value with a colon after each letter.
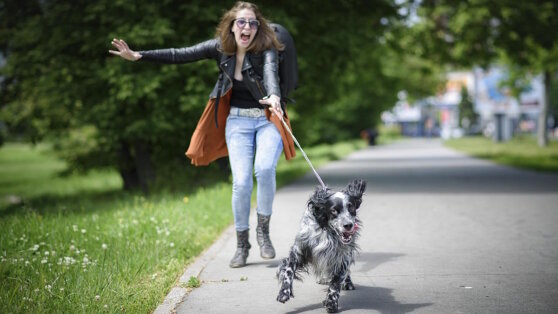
x: 241, y: 96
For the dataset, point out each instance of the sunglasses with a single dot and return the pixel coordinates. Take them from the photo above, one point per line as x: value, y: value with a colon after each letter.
x: 254, y: 24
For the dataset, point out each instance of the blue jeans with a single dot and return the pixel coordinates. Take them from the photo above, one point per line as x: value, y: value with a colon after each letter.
x: 254, y: 144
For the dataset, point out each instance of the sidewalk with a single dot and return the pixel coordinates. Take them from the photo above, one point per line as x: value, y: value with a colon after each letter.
x: 443, y: 233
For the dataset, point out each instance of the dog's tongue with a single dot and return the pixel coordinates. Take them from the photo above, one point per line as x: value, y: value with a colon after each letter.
x: 355, y: 229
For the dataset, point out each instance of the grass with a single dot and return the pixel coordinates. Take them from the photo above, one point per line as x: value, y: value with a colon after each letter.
x: 80, y: 244
x: 521, y: 152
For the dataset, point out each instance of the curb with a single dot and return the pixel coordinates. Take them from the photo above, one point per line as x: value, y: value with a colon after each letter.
x: 179, y: 292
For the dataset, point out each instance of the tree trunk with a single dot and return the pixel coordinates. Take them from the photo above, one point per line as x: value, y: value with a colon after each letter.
x: 144, y: 166
x: 127, y: 167
x: 542, y: 135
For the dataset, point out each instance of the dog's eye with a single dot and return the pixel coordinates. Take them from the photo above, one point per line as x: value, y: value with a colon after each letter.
x: 334, y: 210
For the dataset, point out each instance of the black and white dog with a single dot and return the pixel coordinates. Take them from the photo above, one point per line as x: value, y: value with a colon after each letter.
x: 326, y: 240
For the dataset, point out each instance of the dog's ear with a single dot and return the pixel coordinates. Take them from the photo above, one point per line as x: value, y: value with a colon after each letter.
x: 355, y: 190
x: 318, y: 202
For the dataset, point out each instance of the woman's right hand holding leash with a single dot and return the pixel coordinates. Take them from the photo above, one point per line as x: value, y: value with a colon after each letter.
x: 124, y: 51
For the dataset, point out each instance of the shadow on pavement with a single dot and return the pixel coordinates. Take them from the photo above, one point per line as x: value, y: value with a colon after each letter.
x: 375, y: 298
x: 373, y: 260
x: 368, y: 299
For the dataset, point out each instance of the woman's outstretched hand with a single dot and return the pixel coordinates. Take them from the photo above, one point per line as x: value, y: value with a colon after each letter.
x: 124, y: 51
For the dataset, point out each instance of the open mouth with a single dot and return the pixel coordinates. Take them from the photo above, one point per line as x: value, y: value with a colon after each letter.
x: 347, y: 236
x: 245, y: 38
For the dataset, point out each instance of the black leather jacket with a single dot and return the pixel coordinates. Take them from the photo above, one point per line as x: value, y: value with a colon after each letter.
x: 260, y: 70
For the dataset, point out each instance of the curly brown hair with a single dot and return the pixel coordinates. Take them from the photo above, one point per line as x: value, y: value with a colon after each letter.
x: 265, y: 37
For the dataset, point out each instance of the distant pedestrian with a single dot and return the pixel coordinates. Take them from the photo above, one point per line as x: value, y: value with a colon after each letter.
x: 241, y: 119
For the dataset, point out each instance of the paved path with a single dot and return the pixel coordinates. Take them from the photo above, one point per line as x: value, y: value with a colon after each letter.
x: 443, y: 233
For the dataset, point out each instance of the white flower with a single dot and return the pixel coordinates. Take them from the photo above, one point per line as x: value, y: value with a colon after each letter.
x: 48, y: 287
x: 61, y: 289
x: 97, y: 297
x: 154, y: 276
x: 47, y: 253
x: 72, y: 247
x: 83, y: 231
x: 44, y: 261
x: 171, y: 244
x: 75, y: 227
x: 104, y: 246
x: 69, y: 260
x: 35, y: 248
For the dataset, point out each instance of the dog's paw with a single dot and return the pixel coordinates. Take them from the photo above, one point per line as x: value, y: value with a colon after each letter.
x: 331, y: 306
x: 284, y: 295
x: 348, y: 286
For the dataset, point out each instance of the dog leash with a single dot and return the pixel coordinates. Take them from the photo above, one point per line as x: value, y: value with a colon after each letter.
x: 303, y: 153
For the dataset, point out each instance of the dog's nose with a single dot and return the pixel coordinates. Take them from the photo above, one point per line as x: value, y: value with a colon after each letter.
x: 348, y: 227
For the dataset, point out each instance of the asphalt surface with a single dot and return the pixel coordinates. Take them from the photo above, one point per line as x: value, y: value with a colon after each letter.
x: 442, y: 233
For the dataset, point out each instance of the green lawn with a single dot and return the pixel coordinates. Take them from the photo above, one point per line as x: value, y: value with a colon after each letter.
x: 521, y: 152
x: 80, y: 244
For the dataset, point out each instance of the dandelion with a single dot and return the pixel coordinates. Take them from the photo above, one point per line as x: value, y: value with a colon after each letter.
x: 68, y: 260
x: 104, y: 246
x: 185, y: 199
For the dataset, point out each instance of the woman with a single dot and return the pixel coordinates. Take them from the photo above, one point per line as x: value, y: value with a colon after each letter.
x: 242, y: 117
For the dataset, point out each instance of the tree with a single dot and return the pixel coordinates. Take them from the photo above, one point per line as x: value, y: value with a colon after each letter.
x: 477, y: 32
x: 60, y: 82
x: 467, y: 115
